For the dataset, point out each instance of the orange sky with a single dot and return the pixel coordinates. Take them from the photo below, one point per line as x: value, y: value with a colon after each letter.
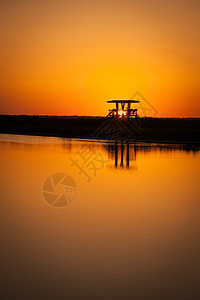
x: 70, y: 57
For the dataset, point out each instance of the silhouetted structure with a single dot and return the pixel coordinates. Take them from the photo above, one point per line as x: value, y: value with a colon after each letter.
x: 123, y: 109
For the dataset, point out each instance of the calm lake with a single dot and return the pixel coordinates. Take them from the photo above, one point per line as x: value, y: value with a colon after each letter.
x: 98, y: 220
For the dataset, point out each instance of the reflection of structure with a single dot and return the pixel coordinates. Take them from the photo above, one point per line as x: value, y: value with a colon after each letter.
x: 122, y: 153
x: 123, y: 109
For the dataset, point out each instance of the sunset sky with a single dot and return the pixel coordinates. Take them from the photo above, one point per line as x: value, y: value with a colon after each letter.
x: 70, y: 57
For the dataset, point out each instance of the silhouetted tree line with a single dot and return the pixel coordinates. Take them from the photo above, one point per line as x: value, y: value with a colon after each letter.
x: 151, y: 129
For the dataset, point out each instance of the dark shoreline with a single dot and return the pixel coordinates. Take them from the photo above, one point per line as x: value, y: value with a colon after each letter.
x: 152, y: 130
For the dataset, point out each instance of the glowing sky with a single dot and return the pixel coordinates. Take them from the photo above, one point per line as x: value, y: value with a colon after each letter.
x: 70, y: 57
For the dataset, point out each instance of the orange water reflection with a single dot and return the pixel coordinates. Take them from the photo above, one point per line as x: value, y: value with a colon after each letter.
x: 132, y: 231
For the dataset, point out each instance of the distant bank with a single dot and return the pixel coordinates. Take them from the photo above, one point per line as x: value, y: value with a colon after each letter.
x: 165, y: 130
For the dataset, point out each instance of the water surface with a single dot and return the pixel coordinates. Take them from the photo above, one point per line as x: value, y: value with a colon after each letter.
x: 131, y: 231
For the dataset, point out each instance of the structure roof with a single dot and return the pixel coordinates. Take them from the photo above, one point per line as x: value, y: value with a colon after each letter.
x: 123, y: 101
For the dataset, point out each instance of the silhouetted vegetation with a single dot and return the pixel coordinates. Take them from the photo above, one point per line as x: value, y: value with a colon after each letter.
x: 151, y: 129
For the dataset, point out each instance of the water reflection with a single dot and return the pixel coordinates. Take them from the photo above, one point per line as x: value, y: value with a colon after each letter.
x: 123, y: 154
x: 123, y: 232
